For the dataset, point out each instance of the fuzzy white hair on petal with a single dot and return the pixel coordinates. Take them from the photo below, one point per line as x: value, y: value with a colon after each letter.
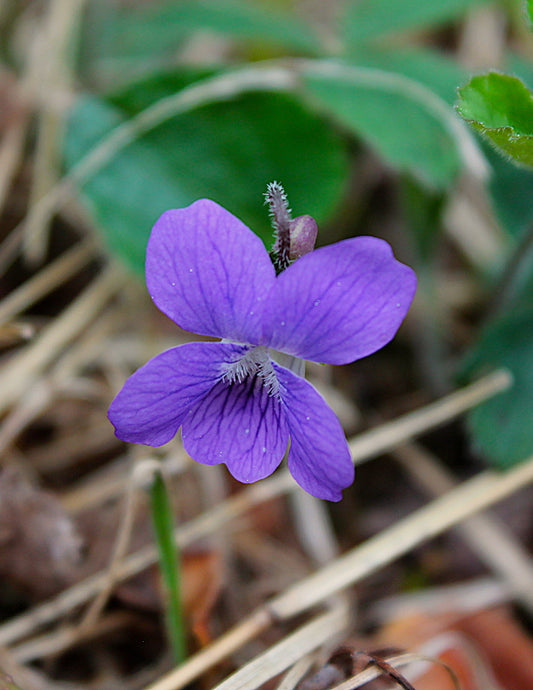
x: 254, y: 362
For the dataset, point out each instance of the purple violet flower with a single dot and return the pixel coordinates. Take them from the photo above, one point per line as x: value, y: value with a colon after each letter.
x: 235, y: 404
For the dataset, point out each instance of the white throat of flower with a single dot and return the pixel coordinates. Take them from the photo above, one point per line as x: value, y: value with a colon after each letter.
x: 254, y: 362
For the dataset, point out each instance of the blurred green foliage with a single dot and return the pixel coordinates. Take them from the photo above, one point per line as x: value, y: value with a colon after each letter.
x: 397, y: 101
x: 500, y: 107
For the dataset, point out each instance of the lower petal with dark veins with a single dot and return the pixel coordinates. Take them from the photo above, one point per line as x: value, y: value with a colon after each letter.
x: 240, y: 424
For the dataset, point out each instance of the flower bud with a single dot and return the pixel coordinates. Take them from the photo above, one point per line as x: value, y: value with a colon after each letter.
x: 302, y: 232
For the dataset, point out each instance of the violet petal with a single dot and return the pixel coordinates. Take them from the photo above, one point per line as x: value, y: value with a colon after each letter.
x: 238, y: 424
x: 208, y: 272
x: 339, y: 303
x: 319, y: 457
x: 154, y: 401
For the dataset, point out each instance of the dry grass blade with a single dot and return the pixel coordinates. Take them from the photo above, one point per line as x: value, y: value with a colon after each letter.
x: 387, y: 436
x: 372, y: 442
x: 11, y: 670
x: 373, y: 672
x: 44, y: 388
x: 11, y: 150
x: 122, y: 540
x: 46, y: 280
x: 313, y: 526
x: 487, y: 536
x: 46, y: 645
x: 15, y: 120
x: 21, y: 371
x: 295, y: 674
x: 443, y: 513
x: 7, y: 683
x: 465, y: 597
x: 56, y: 38
x: 285, y: 653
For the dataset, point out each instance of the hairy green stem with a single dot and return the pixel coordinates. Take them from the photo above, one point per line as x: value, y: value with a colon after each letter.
x: 280, y: 214
x: 169, y: 565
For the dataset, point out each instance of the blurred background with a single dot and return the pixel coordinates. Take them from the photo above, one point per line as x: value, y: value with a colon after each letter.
x: 113, y: 111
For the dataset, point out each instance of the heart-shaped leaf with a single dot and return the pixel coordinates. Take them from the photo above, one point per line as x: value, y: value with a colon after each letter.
x: 500, y: 107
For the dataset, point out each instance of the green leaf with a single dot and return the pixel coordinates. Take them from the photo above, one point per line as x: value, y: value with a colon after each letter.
x: 511, y: 188
x: 151, y: 31
x: 366, y: 20
x: 412, y: 129
x: 128, y: 194
x: 423, y: 213
x: 430, y: 68
x: 227, y: 151
x: 501, y: 427
x: 500, y: 107
x: 530, y: 11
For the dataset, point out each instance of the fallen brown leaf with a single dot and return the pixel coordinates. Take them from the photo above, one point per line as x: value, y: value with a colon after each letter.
x: 39, y: 544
